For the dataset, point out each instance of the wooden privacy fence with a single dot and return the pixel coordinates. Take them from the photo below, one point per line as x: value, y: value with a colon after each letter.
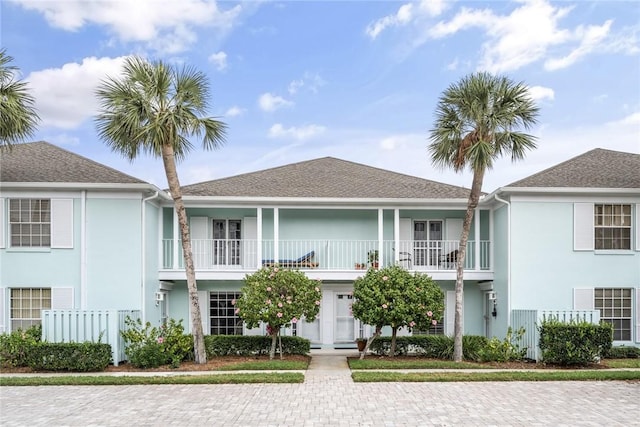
x: 530, y: 320
x: 88, y: 325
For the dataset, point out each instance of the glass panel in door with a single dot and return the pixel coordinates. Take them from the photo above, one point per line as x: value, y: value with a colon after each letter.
x: 344, y: 326
x: 233, y: 246
x: 219, y: 242
x: 420, y: 242
x: 227, y: 236
x: 435, y: 242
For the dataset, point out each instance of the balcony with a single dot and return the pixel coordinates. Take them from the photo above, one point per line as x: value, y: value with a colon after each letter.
x: 326, y: 255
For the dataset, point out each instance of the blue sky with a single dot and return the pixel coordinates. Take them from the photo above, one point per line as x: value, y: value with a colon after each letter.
x: 357, y: 80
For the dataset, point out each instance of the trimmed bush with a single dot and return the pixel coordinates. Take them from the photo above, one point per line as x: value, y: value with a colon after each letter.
x: 152, y: 346
x: 75, y: 357
x: 623, y: 352
x: 577, y: 343
x: 250, y: 345
x: 15, y: 346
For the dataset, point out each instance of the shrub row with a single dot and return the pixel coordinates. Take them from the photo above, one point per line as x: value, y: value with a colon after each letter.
x: 75, y: 357
x: 577, y: 343
x: 16, y: 346
x: 249, y: 345
x: 474, y: 347
x: 623, y: 352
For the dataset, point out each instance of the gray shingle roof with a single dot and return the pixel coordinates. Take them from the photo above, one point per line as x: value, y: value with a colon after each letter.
x: 326, y: 177
x: 598, y: 168
x: 45, y: 162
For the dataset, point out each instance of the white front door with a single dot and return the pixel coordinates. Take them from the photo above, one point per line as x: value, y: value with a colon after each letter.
x: 345, y: 323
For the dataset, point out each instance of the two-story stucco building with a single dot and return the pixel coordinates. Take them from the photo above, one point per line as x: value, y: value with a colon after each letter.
x: 77, y: 234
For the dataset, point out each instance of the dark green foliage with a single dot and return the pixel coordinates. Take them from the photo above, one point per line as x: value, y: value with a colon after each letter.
x: 150, y: 346
x: 574, y: 343
x: 15, y: 346
x: 505, y: 350
x: 75, y: 357
x: 241, y: 345
x: 432, y: 346
x: 623, y: 352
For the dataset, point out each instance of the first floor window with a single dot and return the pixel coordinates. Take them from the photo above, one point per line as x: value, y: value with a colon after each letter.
x: 612, y: 226
x: 30, y: 222
x: 438, y: 329
x: 224, y: 320
x: 615, y: 308
x: 26, y: 305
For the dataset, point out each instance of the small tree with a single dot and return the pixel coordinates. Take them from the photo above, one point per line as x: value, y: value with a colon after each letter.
x: 278, y: 297
x: 396, y: 298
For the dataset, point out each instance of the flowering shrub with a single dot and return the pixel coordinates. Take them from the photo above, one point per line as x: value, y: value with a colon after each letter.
x: 396, y: 298
x: 151, y: 346
x: 278, y: 297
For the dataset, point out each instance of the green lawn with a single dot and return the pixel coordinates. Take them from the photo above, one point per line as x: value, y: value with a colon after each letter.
x: 267, y: 365
x: 416, y: 363
x: 539, y: 375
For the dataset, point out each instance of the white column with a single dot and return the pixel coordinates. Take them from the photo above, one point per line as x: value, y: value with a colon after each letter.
x: 492, y: 239
x: 476, y: 225
x: 276, y: 234
x: 259, y: 237
x: 380, y: 237
x: 396, y: 234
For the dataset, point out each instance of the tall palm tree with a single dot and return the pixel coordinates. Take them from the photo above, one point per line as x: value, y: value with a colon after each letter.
x: 154, y: 108
x: 18, y: 117
x: 476, y: 123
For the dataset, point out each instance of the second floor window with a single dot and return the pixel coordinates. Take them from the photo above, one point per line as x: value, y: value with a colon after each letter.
x: 612, y: 226
x: 30, y: 222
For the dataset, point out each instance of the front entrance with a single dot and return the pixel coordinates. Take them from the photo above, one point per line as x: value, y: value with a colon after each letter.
x: 344, y: 331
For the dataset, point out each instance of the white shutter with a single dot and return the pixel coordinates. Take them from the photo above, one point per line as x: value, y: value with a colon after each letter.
x: 636, y: 225
x: 583, y: 227
x: 405, y: 253
x: 583, y: 299
x: 3, y: 327
x: 62, y: 223
x: 453, y: 228
x: 62, y: 298
x: 203, y: 302
x: 200, y: 247
x: 638, y: 315
x: 249, y: 244
x: 2, y: 227
x: 450, y: 313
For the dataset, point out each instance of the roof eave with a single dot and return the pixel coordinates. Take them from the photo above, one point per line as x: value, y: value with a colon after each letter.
x: 84, y: 186
x: 333, y: 201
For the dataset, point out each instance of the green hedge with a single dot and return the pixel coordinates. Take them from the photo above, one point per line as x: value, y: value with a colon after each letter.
x: 432, y: 346
x: 623, y: 352
x: 577, y: 343
x: 76, y: 357
x: 15, y: 346
x: 242, y: 345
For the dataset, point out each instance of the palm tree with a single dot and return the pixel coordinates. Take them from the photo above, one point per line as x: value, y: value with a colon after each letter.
x: 476, y: 123
x: 153, y: 108
x: 18, y: 117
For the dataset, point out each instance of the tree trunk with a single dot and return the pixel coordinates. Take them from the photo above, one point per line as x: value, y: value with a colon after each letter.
x: 274, y: 335
x: 370, y: 340
x: 394, y: 334
x: 474, y: 196
x: 174, y: 187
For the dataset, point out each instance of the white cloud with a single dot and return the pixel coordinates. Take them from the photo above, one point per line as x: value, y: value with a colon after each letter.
x: 234, y: 111
x: 219, y: 59
x: 65, y: 96
x: 540, y: 92
x: 164, y: 24
x: 406, y: 14
x: 294, y: 86
x: 311, y: 81
x: 394, y: 142
x: 590, y: 38
x: 297, y: 133
x: 269, y: 102
x: 630, y: 120
x: 63, y: 139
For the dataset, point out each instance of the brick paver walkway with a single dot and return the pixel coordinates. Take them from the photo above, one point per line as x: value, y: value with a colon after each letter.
x: 327, y: 398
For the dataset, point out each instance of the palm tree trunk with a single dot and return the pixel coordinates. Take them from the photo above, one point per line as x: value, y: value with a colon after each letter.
x: 474, y: 196
x: 174, y: 187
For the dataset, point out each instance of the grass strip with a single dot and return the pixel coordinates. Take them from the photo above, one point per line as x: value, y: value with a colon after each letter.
x: 414, y: 364
x: 266, y: 365
x: 258, y: 378
x: 599, y: 375
x: 622, y: 363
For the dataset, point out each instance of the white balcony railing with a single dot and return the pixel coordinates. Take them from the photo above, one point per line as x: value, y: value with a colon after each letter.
x: 229, y: 254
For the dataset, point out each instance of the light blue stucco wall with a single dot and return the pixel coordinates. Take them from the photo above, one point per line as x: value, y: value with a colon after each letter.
x: 152, y: 244
x: 500, y: 266
x: 544, y: 266
x: 114, y: 253
x: 43, y: 267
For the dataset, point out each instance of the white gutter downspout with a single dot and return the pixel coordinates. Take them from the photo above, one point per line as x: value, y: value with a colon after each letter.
x: 508, y: 257
x: 83, y: 250
x: 143, y: 275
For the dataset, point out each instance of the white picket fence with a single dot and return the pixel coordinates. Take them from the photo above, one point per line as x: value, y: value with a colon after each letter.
x: 530, y: 320
x: 88, y: 325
